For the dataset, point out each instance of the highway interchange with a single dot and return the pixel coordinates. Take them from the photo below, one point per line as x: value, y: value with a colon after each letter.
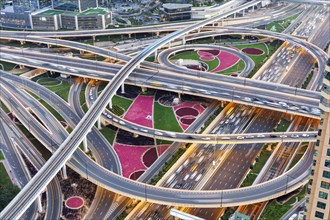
x: 165, y: 196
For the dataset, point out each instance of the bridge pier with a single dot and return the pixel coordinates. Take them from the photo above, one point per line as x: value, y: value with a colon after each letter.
x: 183, y: 40
x: 99, y: 126
x: 40, y: 210
x: 144, y: 89
x: 85, y: 145
x: 49, y: 45
x: 179, y: 95
x: 122, y: 88
x: 110, y: 104
x: 156, y: 55
x: 222, y: 104
x: 22, y: 42
x: 64, y: 173
x: 243, y: 12
x: 129, y: 35
x: 21, y: 66
x: 157, y: 33
x: 252, y: 8
x: 235, y: 15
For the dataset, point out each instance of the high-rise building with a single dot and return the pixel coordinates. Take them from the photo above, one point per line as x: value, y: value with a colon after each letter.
x: 318, y: 197
x: 75, y: 5
x: 21, y: 6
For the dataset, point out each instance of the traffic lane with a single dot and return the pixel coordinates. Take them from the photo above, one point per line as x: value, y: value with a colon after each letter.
x: 234, y: 168
x: 319, y: 54
x: 103, y: 198
x: 239, y: 99
x: 104, y: 68
x: 70, y: 117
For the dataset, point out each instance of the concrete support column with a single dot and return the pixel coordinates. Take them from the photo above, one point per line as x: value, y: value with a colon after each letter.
x: 81, y: 52
x: 129, y: 35
x: 122, y: 88
x: 21, y: 66
x: 291, y: 117
x: 39, y: 204
x: 22, y: 42
x: 183, y: 40
x: 85, y: 145
x: 156, y: 55
x: 235, y: 15
x: 242, y: 37
x: 222, y: 21
x: 169, y: 44
x: 222, y: 104
x: 144, y: 89
x: 110, y: 104
x: 94, y: 39
x: 65, y: 175
x: 49, y: 45
x: 179, y: 96
x: 99, y: 126
x: 253, y: 8
x: 243, y: 12
x: 157, y: 33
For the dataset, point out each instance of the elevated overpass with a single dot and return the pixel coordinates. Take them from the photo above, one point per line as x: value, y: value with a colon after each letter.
x: 139, y: 190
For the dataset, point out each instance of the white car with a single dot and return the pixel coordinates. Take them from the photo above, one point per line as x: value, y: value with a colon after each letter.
x: 240, y: 137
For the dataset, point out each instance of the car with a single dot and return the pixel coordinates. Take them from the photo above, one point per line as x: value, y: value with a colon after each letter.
x: 115, y: 120
x: 249, y: 137
x: 294, y: 136
x: 260, y: 136
x: 121, y: 122
x: 240, y: 137
x: 305, y: 135
x: 158, y: 133
x: 206, y: 138
x: 248, y: 99
x: 283, y: 136
x: 144, y: 130
x: 225, y: 138
x: 273, y: 136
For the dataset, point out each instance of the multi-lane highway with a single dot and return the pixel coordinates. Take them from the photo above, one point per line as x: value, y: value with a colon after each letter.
x: 261, y: 192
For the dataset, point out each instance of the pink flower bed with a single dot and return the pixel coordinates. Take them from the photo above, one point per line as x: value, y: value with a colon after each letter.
x: 187, y: 112
x: 130, y: 158
x: 161, y: 149
x: 225, y: 59
x: 253, y: 51
x: 140, y: 111
x: 74, y: 202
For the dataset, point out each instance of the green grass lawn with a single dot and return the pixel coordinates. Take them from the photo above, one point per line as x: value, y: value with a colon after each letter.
x: 49, y: 82
x: 109, y: 134
x: 274, y: 210
x: 280, y: 26
x: 1, y: 156
x: 41, y: 148
x: 300, y: 152
x: 260, y: 162
x: 4, y: 177
x: 283, y: 125
x: 51, y: 109
x: 7, y: 66
x: 164, y: 118
x: 61, y: 90
x: 4, y: 107
x: 122, y: 102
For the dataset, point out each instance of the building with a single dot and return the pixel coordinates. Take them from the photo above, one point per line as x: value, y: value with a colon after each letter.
x: 318, y: 193
x: 21, y: 6
x: 94, y: 18
x: 75, y: 5
x: 173, y: 12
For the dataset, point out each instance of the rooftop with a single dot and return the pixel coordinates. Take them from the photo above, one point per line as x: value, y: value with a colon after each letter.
x: 176, y: 6
x: 91, y: 11
x: 52, y: 12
